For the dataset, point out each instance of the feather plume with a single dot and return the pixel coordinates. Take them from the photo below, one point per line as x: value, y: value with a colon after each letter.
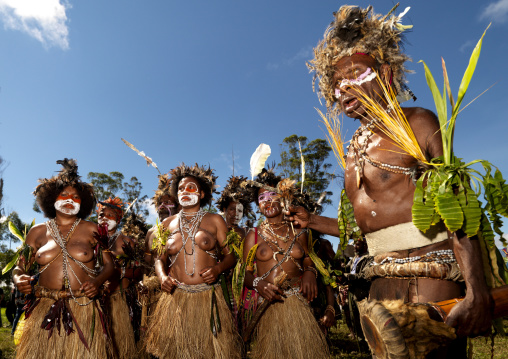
x: 149, y: 161
x: 303, y: 164
x: 258, y: 159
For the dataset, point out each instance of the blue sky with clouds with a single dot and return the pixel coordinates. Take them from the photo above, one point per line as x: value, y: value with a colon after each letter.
x: 193, y: 81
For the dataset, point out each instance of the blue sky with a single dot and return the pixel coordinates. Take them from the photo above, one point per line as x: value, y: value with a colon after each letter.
x: 191, y: 81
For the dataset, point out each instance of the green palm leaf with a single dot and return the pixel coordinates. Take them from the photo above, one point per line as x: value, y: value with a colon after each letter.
x: 449, y: 208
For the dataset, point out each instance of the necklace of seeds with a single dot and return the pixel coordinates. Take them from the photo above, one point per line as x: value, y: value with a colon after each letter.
x: 268, y: 226
x: 188, y: 228
x: 360, y: 154
x: 57, y: 237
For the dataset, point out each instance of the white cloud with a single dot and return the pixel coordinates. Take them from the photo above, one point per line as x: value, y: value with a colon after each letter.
x: 466, y: 45
x: 44, y: 20
x: 302, y: 55
x: 496, y: 12
x: 152, y: 212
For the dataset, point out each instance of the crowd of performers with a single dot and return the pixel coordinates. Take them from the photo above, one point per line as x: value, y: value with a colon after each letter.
x: 196, y: 285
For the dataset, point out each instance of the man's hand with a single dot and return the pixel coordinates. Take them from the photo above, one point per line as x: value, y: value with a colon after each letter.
x: 210, y: 274
x: 23, y: 283
x: 309, y: 288
x: 168, y: 284
x: 90, y: 288
x: 269, y: 291
x: 299, y: 216
x: 472, y: 316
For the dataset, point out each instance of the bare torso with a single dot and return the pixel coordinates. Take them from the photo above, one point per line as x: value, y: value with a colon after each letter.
x: 265, y: 255
x: 80, y: 246
x: 191, y: 261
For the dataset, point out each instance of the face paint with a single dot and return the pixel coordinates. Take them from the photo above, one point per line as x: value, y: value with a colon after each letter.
x: 239, y: 213
x: 188, y: 199
x: 169, y: 208
x: 367, y: 76
x: 110, y: 222
x: 268, y: 196
x: 190, y: 187
x: 64, y: 206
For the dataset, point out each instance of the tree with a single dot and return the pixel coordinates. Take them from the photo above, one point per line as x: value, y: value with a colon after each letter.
x: 112, y: 185
x: 5, y: 234
x: 315, y: 153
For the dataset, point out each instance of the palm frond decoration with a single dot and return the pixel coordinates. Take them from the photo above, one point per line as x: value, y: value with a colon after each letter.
x: 334, y: 136
x: 392, y: 121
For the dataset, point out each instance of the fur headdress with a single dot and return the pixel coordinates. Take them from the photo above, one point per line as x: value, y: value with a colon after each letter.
x: 48, y: 189
x: 356, y: 30
x: 115, y: 204
x: 235, y: 192
x: 204, y: 176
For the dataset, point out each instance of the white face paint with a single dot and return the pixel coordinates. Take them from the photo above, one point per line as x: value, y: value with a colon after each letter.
x: 111, y: 223
x: 63, y: 206
x: 188, y: 199
x: 239, y: 213
x: 367, y: 76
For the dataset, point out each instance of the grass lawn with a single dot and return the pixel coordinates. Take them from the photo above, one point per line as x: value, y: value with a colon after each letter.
x: 341, y: 346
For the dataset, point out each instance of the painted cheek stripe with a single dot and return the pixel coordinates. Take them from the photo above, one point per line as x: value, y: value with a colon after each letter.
x: 367, y: 76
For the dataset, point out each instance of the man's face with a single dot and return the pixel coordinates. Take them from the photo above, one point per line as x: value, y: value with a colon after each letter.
x: 68, y: 201
x: 108, y: 216
x: 189, y: 193
x: 269, y: 203
x: 167, y: 207
x: 234, y: 213
x: 353, y: 72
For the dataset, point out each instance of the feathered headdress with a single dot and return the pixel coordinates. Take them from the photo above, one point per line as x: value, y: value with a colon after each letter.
x: 115, y: 204
x: 163, y: 189
x: 67, y: 176
x: 356, y: 30
x: 235, y: 192
x: 204, y: 176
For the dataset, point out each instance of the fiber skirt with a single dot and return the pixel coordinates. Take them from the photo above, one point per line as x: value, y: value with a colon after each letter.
x: 124, y: 344
x: 35, y: 344
x: 180, y: 327
x: 288, y: 329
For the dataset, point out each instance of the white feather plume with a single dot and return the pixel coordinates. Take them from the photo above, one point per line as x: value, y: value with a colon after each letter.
x: 258, y: 159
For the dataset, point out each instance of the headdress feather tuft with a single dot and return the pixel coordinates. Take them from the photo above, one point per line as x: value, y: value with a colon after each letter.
x: 258, y: 159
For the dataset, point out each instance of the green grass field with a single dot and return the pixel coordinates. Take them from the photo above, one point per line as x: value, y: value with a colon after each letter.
x: 341, y: 345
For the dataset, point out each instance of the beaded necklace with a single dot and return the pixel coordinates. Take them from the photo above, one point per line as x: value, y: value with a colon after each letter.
x: 188, y: 229
x: 360, y: 154
x: 52, y: 226
x: 269, y: 228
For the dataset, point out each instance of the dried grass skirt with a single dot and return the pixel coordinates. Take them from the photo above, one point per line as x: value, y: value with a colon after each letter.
x: 34, y: 343
x: 180, y: 327
x: 124, y: 343
x: 288, y: 329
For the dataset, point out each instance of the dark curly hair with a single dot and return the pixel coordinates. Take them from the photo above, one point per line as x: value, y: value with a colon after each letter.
x: 49, y: 189
x: 235, y: 192
x: 204, y: 177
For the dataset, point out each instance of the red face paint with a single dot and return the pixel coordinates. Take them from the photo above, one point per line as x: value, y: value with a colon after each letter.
x: 68, y: 196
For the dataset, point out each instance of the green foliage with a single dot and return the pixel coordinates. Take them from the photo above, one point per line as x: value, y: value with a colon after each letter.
x: 449, y: 190
x: 346, y: 220
x: 113, y: 185
x: 448, y: 126
x: 23, y: 250
x: 315, y: 153
x: 160, y: 239
x: 328, y: 275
